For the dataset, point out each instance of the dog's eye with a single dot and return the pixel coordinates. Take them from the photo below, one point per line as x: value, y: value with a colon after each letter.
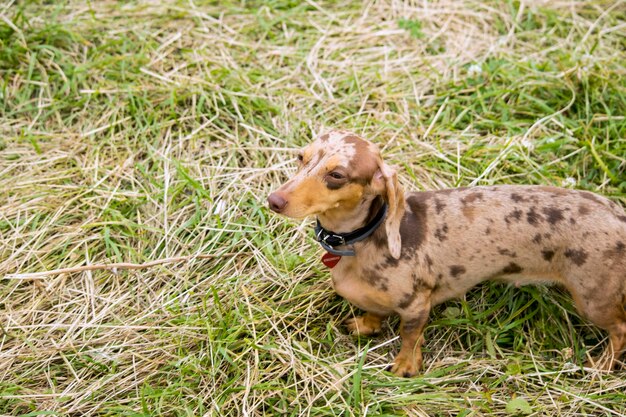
x: 300, y: 157
x: 336, y: 175
x: 335, y: 180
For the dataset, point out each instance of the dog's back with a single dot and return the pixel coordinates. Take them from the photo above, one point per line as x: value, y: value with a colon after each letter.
x: 524, y: 234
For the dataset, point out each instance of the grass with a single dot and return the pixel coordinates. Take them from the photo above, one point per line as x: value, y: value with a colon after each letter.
x: 138, y: 131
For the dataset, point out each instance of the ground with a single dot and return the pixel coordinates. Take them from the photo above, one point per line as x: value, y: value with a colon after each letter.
x: 140, y: 131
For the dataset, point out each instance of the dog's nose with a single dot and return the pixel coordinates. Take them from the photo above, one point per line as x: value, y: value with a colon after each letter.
x: 277, y: 203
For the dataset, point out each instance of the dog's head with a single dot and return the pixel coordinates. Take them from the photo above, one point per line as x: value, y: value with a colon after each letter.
x: 337, y: 173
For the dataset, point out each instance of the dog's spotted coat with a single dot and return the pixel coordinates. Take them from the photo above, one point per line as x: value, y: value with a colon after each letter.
x: 436, y: 245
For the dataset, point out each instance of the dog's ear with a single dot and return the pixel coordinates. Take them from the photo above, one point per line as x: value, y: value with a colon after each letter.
x: 387, y: 177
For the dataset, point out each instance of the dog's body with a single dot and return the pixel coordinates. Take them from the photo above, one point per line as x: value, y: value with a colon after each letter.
x: 436, y: 245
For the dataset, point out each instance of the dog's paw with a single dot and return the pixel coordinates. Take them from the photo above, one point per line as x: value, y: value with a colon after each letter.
x: 360, y: 326
x: 406, y: 366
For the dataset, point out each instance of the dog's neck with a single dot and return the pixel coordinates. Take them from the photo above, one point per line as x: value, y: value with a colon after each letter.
x: 345, y: 221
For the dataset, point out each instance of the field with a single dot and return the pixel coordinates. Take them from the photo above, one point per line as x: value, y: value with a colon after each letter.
x: 152, y: 132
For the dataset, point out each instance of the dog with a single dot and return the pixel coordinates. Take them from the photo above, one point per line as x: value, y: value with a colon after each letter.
x: 392, y: 253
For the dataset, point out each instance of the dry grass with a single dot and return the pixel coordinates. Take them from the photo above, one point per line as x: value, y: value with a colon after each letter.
x: 136, y: 132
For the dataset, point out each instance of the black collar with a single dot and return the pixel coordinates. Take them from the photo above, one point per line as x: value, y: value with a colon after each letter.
x: 329, y: 240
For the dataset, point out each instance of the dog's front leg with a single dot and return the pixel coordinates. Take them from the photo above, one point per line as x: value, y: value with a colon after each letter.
x: 409, y: 359
x: 366, y: 325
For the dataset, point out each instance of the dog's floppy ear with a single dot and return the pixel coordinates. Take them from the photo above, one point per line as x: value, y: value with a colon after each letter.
x: 395, y: 199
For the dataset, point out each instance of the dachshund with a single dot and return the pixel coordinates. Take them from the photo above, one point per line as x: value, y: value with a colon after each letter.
x: 397, y: 253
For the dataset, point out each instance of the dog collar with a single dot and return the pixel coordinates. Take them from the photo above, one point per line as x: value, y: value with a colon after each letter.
x: 329, y: 240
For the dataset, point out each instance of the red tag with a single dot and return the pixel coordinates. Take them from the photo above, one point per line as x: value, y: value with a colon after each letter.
x: 330, y: 260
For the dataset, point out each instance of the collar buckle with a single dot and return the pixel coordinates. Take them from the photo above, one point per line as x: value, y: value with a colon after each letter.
x: 323, y: 236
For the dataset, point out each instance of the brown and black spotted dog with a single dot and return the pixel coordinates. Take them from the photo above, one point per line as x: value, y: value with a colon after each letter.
x: 436, y: 245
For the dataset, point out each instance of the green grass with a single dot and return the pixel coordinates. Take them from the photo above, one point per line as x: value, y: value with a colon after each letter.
x: 132, y: 132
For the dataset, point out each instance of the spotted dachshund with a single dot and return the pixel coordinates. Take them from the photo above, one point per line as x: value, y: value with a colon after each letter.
x: 392, y: 252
